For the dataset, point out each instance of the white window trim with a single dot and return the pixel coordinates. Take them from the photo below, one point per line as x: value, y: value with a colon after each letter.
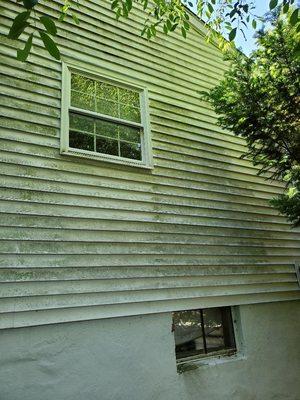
x: 65, y: 149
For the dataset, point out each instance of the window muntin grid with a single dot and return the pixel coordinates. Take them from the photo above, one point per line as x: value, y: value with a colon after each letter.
x: 105, y: 137
x: 89, y: 130
x: 105, y: 98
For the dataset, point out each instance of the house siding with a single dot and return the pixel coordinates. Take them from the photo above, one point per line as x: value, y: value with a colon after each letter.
x: 83, y: 239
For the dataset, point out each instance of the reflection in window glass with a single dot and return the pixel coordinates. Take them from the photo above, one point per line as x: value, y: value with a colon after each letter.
x: 107, y: 146
x: 130, y: 113
x: 131, y: 150
x: 104, y: 137
x: 129, y: 97
x: 82, y: 100
x: 105, y: 98
x: 81, y: 123
x: 81, y: 141
x: 106, y: 91
x: 213, y: 329
x: 204, y: 331
x: 83, y: 84
x: 107, y: 107
x: 130, y: 134
x: 105, y: 128
x: 92, y: 131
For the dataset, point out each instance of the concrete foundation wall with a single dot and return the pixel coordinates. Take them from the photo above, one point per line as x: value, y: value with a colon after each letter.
x: 133, y: 359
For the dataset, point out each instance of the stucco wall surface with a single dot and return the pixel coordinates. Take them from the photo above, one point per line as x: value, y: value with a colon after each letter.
x: 133, y: 358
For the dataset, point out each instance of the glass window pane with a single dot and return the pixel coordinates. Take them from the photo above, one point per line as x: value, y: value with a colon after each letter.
x: 81, y: 141
x: 129, y: 97
x: 107, y: 146
x: 130, y: 134
x: 105, y: 128
x: 81, y: 123
x: 130, y: 150
x: 82, y: 100
x: 83, y: 84
x: 106, y: 91
x: 107, y: 107
x: 105, y: 98
x: 217, y: 327
x: 129, y: 113
x: 228, y: 329
x: 188, y: 333
x: 213, y: 327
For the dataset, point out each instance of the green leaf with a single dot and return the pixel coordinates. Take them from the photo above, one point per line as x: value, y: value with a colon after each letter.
x: 145, y: 5
x: 118, y: 13
x: 153, y: 30
x: 29, y: 4
x: 75, y: 19
x: 114, y: 4
x: 22, y: 54
x: 285, y: 8
x: 296, y: 52
x: 125, y: 10
x: 169, y: 24
x: 183, y: 32
x: 210, y: 8
x: 18, y: 25
x: 186, y: 25
x: 254, y: 24
x: 50, y: 45
x: 294, y: 17
x: 49, y: 24
x: 232, y: 34
x: 129, y: 4
x: 232, y: 13
x: 273, y: 4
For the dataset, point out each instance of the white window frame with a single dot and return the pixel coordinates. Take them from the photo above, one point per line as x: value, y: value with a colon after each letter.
x: 66, y: 107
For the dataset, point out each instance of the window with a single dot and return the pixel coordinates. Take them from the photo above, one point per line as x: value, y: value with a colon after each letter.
x: 203, y: 332
x: 104, y: 119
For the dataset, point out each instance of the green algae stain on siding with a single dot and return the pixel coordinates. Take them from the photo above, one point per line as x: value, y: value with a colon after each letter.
x: 101, y: 240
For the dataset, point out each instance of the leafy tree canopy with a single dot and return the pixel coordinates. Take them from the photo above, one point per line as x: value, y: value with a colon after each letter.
x: 259, y: 100
x: 223, y: 18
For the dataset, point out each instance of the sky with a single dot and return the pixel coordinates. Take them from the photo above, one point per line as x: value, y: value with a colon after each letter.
x: 262, y: 6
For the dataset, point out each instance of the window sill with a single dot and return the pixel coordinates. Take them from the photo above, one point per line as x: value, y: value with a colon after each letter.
x: 105, y: 158
x: 189, y: 365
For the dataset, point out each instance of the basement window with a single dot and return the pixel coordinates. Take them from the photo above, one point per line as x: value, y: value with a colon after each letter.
x: 203, y: 333
x: 104, y: 119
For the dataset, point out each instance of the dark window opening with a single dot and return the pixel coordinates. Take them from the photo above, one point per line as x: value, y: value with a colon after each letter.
x: 203, y: 332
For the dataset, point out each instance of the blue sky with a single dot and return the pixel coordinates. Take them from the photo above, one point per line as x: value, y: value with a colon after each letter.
x: 262, y: 6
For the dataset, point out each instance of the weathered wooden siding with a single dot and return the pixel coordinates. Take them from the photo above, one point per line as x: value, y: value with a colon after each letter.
x: 82, y: 239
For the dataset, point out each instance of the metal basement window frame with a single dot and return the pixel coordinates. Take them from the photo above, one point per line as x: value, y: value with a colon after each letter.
x: 66, y: 108
x: 201, y: 330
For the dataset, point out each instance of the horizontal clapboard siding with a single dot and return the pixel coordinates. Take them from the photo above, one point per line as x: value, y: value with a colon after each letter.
x: 81, y: 239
